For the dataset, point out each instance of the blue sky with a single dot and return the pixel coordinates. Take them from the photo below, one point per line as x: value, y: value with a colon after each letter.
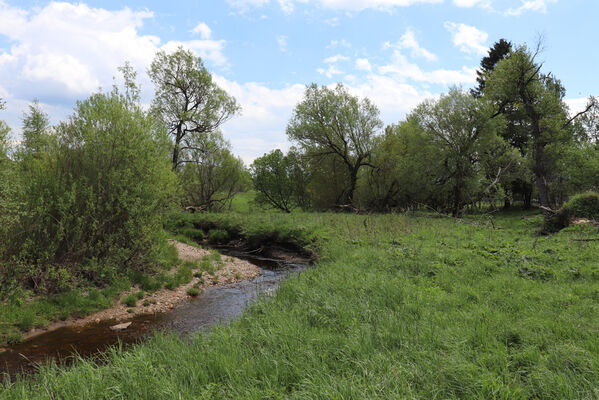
x: 264, y: 52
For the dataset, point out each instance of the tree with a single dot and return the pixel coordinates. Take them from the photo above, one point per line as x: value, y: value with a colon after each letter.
x: 215, y: 175
x: 331, y: 122
x: 36, y: 125
x: 279, y: 181
x: 517, y: 85
x: 461, y: 128
x: 498, y: 52
x: 4, y: 132
x: 187, y: 100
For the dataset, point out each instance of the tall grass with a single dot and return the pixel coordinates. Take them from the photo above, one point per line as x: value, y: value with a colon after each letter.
x: 397, y: 307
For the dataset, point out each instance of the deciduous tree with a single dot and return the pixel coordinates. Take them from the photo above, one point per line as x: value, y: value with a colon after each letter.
x: 332, y: 122
x: 187, y: 100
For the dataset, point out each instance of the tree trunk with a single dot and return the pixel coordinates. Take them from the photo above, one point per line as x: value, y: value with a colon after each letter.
x: 541, y: 176
x: 176, y: 148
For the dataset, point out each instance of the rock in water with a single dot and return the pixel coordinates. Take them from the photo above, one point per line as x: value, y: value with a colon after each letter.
x: 120, y: 327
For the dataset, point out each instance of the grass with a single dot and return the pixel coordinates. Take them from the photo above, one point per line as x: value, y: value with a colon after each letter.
x: 22, y: 312
x: 406, y: 307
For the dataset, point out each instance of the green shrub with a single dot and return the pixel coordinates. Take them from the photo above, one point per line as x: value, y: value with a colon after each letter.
x: 584, y: 205
x: 193, y: 291
x: 194, y: 234
x: 218, y: 236
x: 130, y: 300
x: 94, y: 193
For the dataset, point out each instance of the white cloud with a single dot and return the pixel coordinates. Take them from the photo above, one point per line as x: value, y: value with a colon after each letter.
x: 576, y: 104
x: 363, y: 64
x: 408, y: 41
x: 468, y: 38
x: 402, y: 69
x: 330, y: 72
x: 63, y: 52
x: 68, y: 50
x: 264, y: 108
x: 471, y: 3
x: 203, y: 30
x: 335, y: 59
x: 346, y: 5
x: 530, y: 5
x: 339, y: 43
x: 282, y: 42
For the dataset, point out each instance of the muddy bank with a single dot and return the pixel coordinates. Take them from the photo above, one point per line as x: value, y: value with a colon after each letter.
x: 217, y: 303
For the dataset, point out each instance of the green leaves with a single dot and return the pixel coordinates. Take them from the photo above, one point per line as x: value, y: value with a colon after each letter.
x: 187, y: 101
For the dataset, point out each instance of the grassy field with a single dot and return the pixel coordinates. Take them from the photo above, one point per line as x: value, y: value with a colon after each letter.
x: 406, y: 307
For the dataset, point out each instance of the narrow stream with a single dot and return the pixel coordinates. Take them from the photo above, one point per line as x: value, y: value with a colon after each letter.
x: 215, y: 304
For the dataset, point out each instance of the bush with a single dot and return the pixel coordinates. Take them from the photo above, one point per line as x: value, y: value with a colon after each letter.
x: 94, y: 194
x: 218, y: 236
x: 130, y: 300
x: 584, y: 205
x: 193, y: 291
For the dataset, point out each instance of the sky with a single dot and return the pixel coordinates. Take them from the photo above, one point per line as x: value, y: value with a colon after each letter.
x: 264, y: 52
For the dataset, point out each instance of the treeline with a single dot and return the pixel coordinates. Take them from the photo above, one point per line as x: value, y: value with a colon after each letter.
x: 81, y: 201
x: 510, y: 139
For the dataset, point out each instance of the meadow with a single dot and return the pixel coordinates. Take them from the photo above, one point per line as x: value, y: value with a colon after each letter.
x: 414, y: 306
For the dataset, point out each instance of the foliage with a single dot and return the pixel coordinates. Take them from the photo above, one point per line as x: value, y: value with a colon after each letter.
x: 93, y: 196
x: 36, y: 130
x: 517, y: 85
x: 584, y: 205
x: 214, y: 176
x: 333, y: 122
x: 280, y: 180
x: 460, y: 129
x: 498, y: 52
x: 187, y: 101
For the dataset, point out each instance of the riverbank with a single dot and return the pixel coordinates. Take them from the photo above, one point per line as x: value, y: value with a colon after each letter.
x: 210, y: 269
x: 397, y: 307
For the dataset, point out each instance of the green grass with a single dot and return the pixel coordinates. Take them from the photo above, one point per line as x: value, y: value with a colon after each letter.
x: 398, y: 307
x: 22, y: 312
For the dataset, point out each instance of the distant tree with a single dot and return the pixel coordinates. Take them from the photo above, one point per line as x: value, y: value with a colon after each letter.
x: 215, y: 176
x: 461, y: 128
x: 331, y: 122
x: 278, y: 179
x: 517, y: 85
x: 187, y: 100
x: 35, y: 129
x: 4, y: 132
x: 498, y: 52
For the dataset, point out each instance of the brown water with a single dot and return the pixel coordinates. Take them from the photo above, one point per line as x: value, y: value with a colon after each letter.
x: 216, y: 304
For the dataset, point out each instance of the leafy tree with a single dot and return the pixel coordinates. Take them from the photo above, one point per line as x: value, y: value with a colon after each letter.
x: 405, y: 172
x: 498, y: 52
x: 36, y: 125
x: 461, y: 128
x: 187, y: 100
x: 278, y: 180
x: 332, y: 122
x: 517, y: 84
x: 215, y: 175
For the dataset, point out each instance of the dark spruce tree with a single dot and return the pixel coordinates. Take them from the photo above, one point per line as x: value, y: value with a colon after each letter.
x: 498, y: 52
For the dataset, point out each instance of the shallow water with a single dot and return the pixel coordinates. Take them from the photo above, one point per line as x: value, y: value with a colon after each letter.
x: 215, y: 304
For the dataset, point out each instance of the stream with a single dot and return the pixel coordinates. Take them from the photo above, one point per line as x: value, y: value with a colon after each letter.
x: 216, y: 304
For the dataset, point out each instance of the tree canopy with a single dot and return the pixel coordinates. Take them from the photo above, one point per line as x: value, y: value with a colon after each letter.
x: 332, y: 122
x: 187, y: 100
